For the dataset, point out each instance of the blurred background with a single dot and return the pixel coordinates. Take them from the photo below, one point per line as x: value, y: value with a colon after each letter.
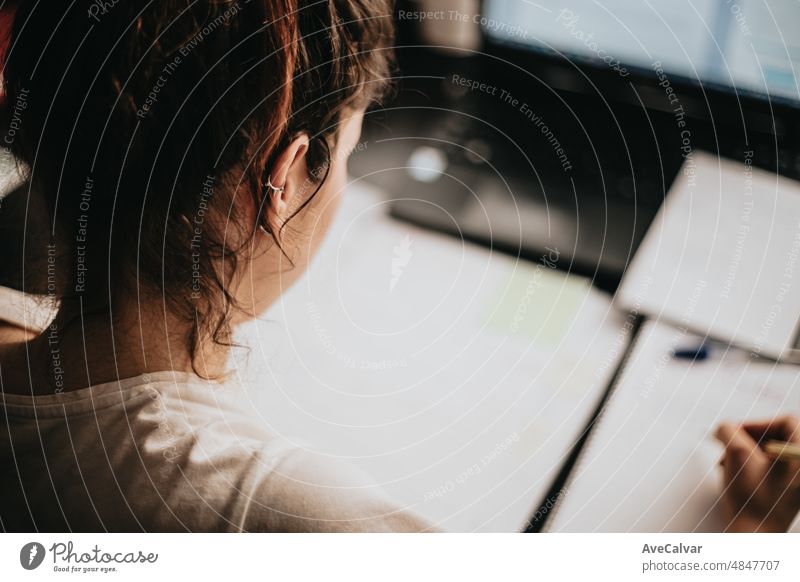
x: 525, y: 125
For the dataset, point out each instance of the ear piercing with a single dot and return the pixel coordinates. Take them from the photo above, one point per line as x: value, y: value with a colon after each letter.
x: 274, y: 191
x: 271, y: 186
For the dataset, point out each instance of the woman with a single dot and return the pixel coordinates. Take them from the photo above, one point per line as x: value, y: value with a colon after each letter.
x: 188, y: 158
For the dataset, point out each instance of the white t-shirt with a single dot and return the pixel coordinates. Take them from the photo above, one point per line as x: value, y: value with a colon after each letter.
x: 171, y: 452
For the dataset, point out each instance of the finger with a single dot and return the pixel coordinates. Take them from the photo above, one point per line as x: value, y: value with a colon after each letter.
x: 744, y: 463
x: 786, y: 428
x: 729, y: 433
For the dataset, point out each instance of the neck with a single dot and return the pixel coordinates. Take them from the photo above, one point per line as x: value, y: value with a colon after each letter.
x: 82, y: 351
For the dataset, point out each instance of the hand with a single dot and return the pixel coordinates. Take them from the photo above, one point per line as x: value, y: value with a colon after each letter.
x: 760, y: 494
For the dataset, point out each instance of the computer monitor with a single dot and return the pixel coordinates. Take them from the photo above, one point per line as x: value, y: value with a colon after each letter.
x: 749, y: 48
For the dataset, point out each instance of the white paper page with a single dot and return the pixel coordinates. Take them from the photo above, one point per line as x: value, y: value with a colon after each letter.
x: 723, y: 256
x: 652, y: 463
x: 457, y: 377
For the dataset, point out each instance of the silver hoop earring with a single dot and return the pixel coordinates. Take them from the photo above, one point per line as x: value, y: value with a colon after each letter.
x: 273, y: 191
x: 271, y: 186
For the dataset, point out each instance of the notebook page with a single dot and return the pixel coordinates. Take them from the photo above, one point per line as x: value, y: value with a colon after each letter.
x: 651, y: 464
x: 722, y: 257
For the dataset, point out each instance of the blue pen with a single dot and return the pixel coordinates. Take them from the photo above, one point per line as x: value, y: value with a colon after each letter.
x: 697, y: 353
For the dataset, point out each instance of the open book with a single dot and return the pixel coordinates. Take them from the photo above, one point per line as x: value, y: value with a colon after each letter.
x: 718, y: 262
x: 651, y: 463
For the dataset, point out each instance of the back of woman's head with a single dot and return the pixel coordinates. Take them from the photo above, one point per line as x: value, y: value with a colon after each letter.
x: 146, y: 125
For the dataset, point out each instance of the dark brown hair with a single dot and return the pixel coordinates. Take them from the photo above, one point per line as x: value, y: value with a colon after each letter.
x: 146, y: 122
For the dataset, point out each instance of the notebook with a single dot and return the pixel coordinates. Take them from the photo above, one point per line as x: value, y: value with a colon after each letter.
x: 651, y: 462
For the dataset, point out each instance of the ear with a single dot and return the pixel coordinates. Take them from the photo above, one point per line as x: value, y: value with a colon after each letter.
x: 290, y: 172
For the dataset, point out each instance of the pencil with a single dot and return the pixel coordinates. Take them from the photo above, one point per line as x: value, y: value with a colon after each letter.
x: 783, y: 450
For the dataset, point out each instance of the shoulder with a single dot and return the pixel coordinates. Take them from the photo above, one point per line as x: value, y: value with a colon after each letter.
x: 257, y: 480
x: 310, y: 492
